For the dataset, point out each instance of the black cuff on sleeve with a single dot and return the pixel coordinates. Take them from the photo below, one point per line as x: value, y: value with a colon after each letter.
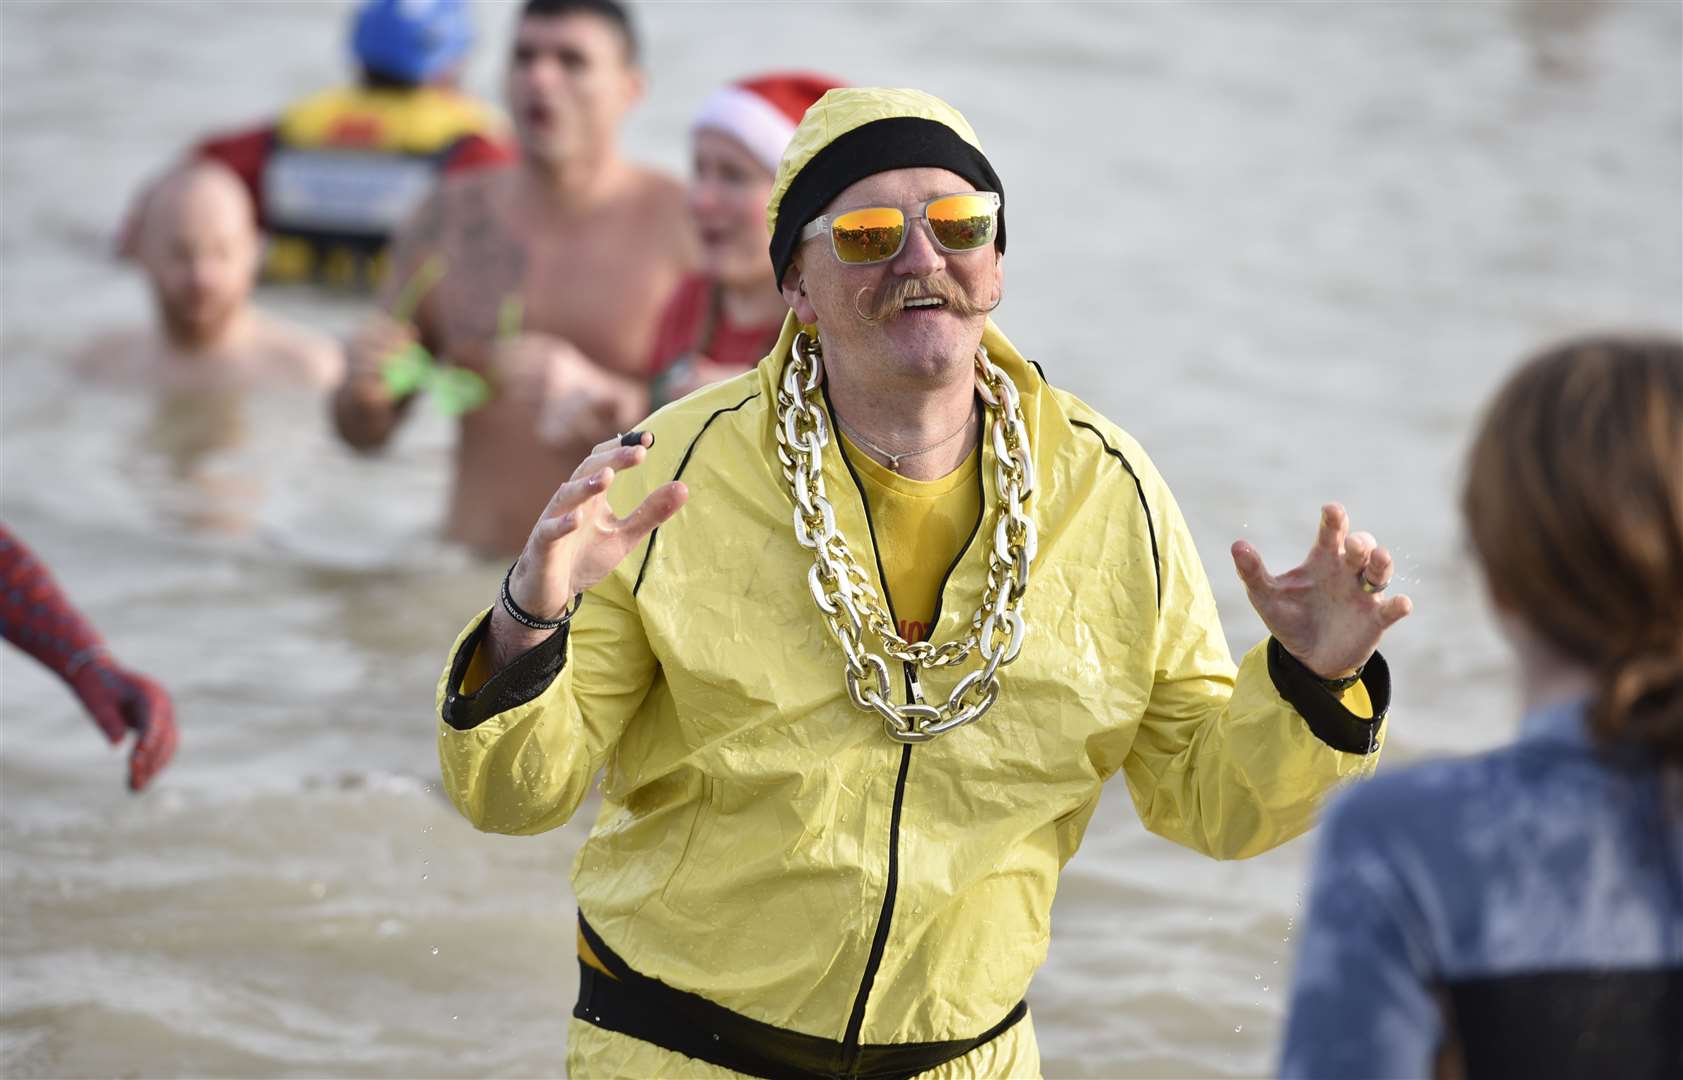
x: 528, y: 676
x: 1326, y: 715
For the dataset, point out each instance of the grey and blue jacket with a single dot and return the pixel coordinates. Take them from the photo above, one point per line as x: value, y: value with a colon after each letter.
x: 1523, y: 908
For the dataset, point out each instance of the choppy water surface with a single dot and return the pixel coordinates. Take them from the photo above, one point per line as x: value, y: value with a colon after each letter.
x: 1290, y: 246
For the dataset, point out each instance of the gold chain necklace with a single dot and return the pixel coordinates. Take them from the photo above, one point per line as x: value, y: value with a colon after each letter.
x: 846, y: 597
x: 895, y: 459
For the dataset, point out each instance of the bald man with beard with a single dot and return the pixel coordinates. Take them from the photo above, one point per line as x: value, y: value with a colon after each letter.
x: 200, y: 252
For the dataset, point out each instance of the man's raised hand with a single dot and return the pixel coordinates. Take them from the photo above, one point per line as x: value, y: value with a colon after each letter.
x: 1331, y: 610
x: 577, y: 542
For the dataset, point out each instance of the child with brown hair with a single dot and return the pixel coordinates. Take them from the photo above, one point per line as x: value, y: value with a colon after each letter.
x: 1520, y: 913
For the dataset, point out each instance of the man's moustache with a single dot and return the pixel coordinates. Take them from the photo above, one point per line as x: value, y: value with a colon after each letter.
x: 891, y: 301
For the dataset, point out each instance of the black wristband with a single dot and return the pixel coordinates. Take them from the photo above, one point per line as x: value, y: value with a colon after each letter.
x: 1324, y: 710
x: 1331, y: 686
x: 532, y: 622
x: 1338, y: 686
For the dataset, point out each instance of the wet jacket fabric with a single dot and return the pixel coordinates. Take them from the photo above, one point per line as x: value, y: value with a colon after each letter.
x: 764, y: 844
x: 1522, y: 910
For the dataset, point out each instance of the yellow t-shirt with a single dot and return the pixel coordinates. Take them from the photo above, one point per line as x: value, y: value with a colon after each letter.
x: 921, y: 526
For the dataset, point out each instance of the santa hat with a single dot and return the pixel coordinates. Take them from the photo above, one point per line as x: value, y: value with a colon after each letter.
x: 761, y: 113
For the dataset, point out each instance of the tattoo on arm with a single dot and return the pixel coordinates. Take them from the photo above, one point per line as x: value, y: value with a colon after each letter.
x: 417, y: 241
x: 492, y: 262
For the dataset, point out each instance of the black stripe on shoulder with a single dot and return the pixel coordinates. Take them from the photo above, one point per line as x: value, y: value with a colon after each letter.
x: 1151, y: 526
x: 683, y: 464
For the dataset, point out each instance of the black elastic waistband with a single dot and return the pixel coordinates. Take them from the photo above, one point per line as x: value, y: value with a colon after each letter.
x: 648, y: 1009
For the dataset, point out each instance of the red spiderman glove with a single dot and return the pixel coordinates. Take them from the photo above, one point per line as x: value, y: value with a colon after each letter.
x: 38, y: 618
x: 120, y: 701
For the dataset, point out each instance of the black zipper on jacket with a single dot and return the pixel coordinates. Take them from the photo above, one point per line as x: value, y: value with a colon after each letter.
x: 879, y: 942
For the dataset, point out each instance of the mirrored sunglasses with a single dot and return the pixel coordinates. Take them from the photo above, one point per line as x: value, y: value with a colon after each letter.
x: 873, y: 234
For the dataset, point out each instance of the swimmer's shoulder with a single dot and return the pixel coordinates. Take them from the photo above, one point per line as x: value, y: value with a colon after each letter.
x: 299, y: 355
x: 655, y: 190
x: 118, y: 356
x: 658, y: 183
x: 658, y: 204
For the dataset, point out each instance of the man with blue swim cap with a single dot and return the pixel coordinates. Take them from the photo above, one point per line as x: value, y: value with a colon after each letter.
x: 335, y: 175
x: 413, y: 41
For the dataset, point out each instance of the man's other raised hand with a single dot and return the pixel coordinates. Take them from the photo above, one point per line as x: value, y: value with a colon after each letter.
x: 1331, y: 610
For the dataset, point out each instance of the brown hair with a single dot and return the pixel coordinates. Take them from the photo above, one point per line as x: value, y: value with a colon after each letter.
x: 1574, y: 501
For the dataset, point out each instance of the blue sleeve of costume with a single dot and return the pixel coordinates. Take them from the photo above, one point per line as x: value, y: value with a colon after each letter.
x: 1362, y: 1000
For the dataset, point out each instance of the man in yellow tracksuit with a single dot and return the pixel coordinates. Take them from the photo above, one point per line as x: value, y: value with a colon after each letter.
x: 827, y: 847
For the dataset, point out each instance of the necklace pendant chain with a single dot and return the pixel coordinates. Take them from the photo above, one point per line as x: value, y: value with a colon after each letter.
x: 847, y: 598
x: 895, y: 459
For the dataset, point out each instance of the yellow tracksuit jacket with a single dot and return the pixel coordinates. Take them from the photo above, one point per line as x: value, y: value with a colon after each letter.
x: 764, y: 844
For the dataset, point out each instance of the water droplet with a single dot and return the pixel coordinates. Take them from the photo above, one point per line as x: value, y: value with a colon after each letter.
x: 455, y: 1018
x: 1257, y: 977
x: 435, y: 950
x: 1238, y: 1029
x: 715, y: 1038
x: 426, y: 862
x: 425, y: 876
x: 1265, y: 988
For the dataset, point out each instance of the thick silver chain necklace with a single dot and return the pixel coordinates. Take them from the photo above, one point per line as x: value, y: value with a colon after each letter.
x: 846, y: 597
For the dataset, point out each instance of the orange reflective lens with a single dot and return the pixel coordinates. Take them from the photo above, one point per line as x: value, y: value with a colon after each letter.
x: 869, y: 235
x: 962, y: 222
x: 873, y: 234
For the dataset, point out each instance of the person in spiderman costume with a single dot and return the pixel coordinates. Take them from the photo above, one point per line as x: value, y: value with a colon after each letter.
x: 38, y: 618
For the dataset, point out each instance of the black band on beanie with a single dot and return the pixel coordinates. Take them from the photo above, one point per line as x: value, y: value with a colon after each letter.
x: 898, y: 142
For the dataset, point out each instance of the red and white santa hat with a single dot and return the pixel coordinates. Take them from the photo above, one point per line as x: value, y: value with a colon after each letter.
x: 761, y: 113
